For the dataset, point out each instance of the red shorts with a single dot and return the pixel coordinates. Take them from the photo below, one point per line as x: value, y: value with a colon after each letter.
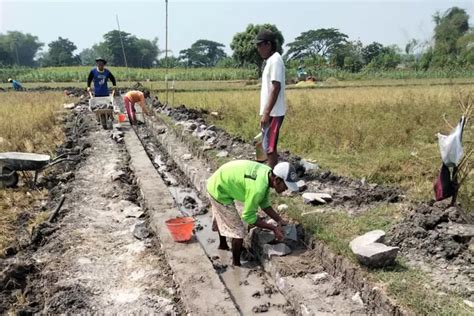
x: 270, y: 134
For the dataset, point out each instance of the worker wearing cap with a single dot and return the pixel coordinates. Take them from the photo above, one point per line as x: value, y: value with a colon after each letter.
x: 100, y: 75
x: 130, y: 99
x: 272, y: 94
x: 248, y: 182
x: 15, y: 84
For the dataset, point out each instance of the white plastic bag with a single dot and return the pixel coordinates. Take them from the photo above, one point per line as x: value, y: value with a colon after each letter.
x: 450, y: 145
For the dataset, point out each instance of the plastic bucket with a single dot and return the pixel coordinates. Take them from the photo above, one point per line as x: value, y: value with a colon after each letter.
x: 121, y: 117
x: 181, y: 228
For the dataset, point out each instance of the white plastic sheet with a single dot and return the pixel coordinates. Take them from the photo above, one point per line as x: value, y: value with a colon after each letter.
x: 450, y: 145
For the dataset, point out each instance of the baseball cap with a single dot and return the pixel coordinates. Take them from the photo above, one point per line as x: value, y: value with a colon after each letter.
x: 265, y: 36
x: 287, y: 172
x: 101, y: 59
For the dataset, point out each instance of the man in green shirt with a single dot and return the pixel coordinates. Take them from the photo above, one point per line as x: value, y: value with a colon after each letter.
x: 248, y: 182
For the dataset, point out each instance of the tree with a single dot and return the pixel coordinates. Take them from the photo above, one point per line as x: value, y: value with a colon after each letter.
x: 371, y: 51
x: 61, y: 53
x: 18, y: 48
x: 138, y: 52
x: 450, y: 26
x: 243, y: 46
x: 88, y: 56
x: 321, y: 42
x: 348, y: 56
x: 465, y: 45
x: 389, y: 58
x: 203, y: 53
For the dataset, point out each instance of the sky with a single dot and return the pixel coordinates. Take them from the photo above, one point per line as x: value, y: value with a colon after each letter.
x: 84, y: 22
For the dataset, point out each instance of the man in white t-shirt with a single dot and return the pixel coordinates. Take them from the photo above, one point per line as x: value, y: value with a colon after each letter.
x: 272, y: 95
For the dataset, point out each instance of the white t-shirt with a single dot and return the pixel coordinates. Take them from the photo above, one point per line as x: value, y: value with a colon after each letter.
x: 274, y: 71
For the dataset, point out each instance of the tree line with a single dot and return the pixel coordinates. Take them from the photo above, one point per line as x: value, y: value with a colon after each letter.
x: 451, y: 46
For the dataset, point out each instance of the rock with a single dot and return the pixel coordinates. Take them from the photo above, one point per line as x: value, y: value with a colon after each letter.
x: 375, y: 255
x: 357, y: 299
x: 117, y: 175
x: 290, y: 232
x: 282, y: 207
x: 211, y: 140
x: 187, y: 157
x: 469, y: 303
x: 368, y: 238
x: 308, y: 166
x: 316, y: 198
x: 215, y: 114
x: 69, y: 106
x: 264, y: 236
x: 471, y: 247
x: 332, y: 291
x: 140, y: 231
x: 211, y: 128
x: 370, y: 252
x: 319, y: 277
x: 222, y: 154
x: 131, y: 210
x: 260, y: 309
x: 301, y: 185
x: 280, y: 249
x: 460, y: 230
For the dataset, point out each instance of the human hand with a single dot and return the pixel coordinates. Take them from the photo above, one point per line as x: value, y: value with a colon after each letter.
x: 264, y: 120
x: 279, y: 233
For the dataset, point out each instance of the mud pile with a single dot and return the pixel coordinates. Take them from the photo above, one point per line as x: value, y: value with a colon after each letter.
x: 443, y: 238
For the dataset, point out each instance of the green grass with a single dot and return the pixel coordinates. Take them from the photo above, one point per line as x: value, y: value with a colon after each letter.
x: 79, y: 73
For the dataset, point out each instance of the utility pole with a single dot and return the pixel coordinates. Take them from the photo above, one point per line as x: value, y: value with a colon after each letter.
x: 166, y: 52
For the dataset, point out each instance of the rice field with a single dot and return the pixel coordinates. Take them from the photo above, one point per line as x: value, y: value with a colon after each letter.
x: 383, y: 134
x: 29, y: 122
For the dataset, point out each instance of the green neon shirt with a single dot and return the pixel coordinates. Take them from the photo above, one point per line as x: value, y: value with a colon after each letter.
x: 241, y: 180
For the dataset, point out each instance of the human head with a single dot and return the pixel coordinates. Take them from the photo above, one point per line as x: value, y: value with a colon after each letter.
x: 100, y: 62
x: 146, y: 93
x: 266, y: 43
x: 284, y: 177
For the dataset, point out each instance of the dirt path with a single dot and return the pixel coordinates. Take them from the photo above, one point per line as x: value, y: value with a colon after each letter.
x: 93, y: 262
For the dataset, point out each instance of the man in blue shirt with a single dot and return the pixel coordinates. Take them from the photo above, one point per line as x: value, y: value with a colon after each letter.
x: 16, y: 85
x: 100, y: 75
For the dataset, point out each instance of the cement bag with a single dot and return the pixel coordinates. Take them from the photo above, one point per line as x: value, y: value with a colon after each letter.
x: 450, y: 145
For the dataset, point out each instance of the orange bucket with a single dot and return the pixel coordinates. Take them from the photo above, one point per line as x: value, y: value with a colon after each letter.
x: 121, y: 117
x: 181, y: 228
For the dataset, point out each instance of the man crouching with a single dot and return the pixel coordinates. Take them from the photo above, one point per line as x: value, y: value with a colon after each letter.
x: 248, y: 182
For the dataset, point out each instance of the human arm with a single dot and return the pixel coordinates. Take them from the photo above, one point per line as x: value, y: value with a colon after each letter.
x: 112, y: 78
x: 252, y: 202
x: 142, y: 104
x: 89, y: 80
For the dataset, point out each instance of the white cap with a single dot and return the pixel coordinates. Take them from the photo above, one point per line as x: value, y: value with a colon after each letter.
x: 287, y: 172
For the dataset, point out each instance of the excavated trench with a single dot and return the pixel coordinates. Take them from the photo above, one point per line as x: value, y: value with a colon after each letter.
x: 299, y: 284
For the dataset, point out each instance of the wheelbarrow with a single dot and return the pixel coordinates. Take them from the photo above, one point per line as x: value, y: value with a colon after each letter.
x: 13, y: 162
x: 104, y: 108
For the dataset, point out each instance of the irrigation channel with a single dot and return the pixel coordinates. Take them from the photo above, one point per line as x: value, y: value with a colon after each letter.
x: 111, y: 251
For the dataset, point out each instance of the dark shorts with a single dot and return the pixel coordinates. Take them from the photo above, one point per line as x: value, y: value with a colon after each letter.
x: 270, y: 134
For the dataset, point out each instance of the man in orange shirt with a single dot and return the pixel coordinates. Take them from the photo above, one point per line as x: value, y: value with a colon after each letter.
x: 130, y: 99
